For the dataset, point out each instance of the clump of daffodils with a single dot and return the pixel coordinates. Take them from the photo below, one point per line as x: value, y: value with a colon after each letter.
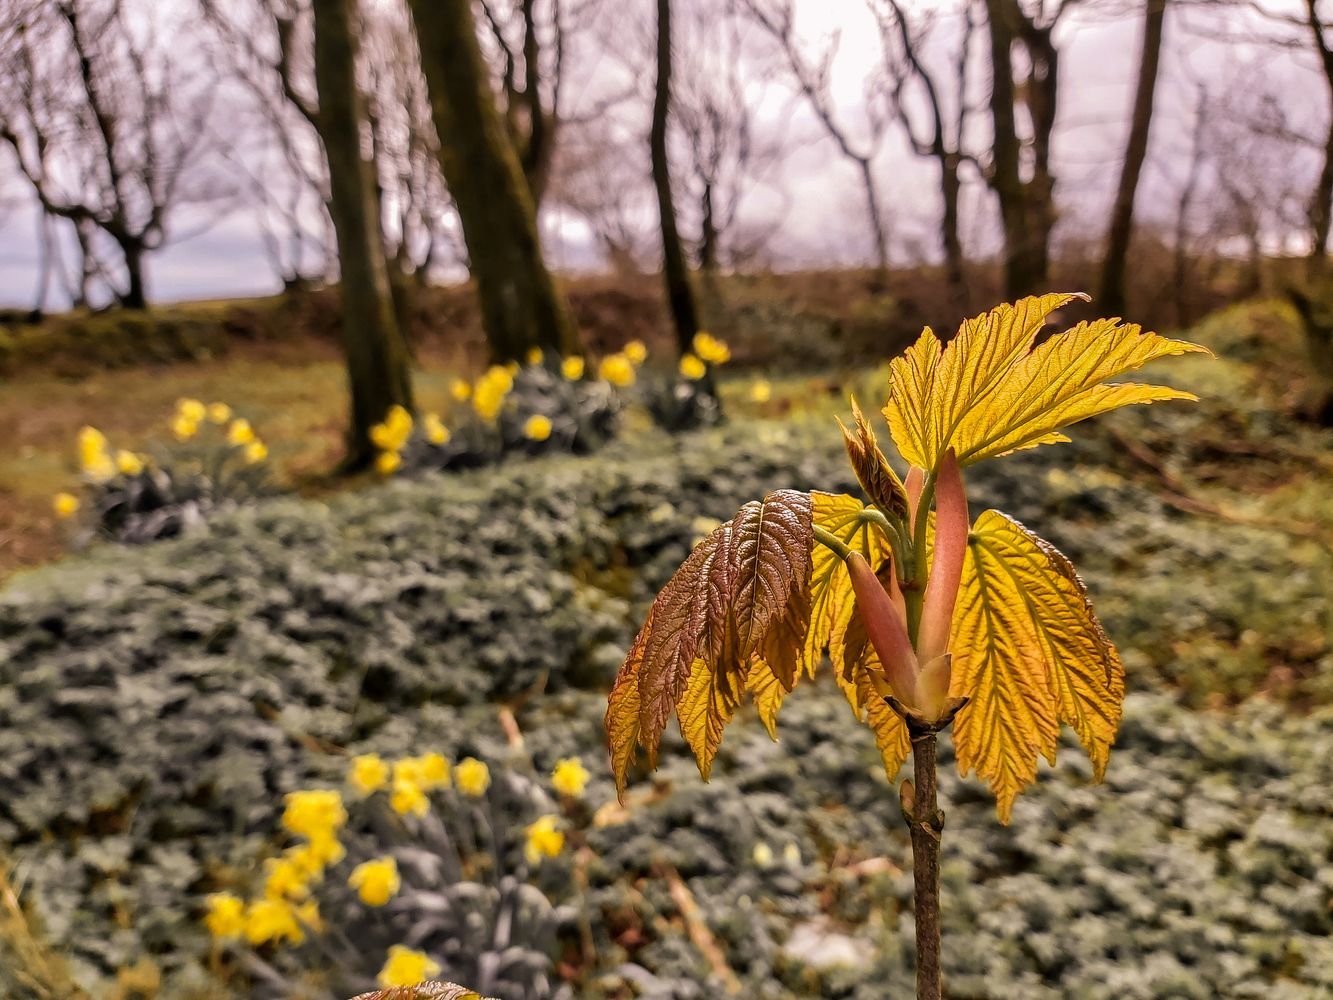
x: 370, y: 863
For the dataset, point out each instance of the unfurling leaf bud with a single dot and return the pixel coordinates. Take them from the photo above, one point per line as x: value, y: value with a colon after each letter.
x: 885, y: 629
x: 946, y: 568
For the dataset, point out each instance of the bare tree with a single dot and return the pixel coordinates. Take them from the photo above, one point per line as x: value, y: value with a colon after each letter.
x: 521, y: 306
x: 108, y: 123
x: 680, y: 296
x: 1112, y: 296
x: 1020, y: 171
x: 812, y: 78
x: 940, y: 138
x: 1321, y: 199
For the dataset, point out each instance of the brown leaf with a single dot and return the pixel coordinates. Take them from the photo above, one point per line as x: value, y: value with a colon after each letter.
x: 873, y: 472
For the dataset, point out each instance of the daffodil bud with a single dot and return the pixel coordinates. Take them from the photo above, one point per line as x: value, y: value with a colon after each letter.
x: 885, y: 629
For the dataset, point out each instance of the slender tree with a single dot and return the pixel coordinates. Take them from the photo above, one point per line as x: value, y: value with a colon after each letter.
x: 377, y: 360
x: 1020, y: 172
x: 521, y: 306
x: 1321, y: 200
x: 1112, y: 298
x: 680, y: 296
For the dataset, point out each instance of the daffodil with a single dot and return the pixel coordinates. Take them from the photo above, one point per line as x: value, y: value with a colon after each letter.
x: 183, y: 427
x: 368, y: 773
x: 406, y: 967
x: 544, y: 840
x: 272, y: 920
x: 472, y: 777
x: 255, y: 452
x: 65, y: 504
x: 308, y: 914
x: 710, y: 349
x: 387, y: 462
x: 537, y: 427
x: 407, y: 798
x: 436, y: 432
x: 692, y: 367
x: 761, y: 391
x: 191, y: 410
x: 240, y: 432
x: 535, y: 356
x: 616, y: 369
x: 285, y: 878
x: 460, y: 390
x: 489, y: 394
x: 313, y: 813
x: 322, y: 849
x: 128, y: 463
x: 570, y: 777
x: 434, y: 770
x: 636, y: 352
x: 572, y: 368
x: 226, y: 916
x: 94, y: 449
x: 375, y: 881
x: 218, y: 413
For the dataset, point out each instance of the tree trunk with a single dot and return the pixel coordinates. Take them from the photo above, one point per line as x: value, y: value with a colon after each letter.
x: 680, y: 296
x: 135, y: 296
x: 377, y: 362
x: 1027, y: 207
x: 1321, y: 201
x: 521, y: 306
x: 955, y: 276
x: 1136, y: 150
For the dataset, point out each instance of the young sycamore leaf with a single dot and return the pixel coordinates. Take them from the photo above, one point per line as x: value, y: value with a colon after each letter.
x: 1030, y: 654
x: 999, y: 621
x: 424, y: 991
x: 989, y: 392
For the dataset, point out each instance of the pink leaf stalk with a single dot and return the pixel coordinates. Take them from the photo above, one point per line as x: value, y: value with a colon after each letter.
x: 946, y: 570
x: 885, y: 628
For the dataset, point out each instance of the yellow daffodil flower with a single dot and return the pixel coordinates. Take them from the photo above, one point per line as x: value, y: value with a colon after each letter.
x: 692, y: 367
x: 65, y: 504
x: 285, y: 878
x: 183, y: 427
x: 710, y: 349
x: 636, y: 352
x: 436, y: 432
x: 313, y: 813
x: 240, y: 432
x: 128, y: 463
x: 570, y: 777
x: 472, y: 777
x: 375, y: 881
x: 406, y: 967
x: 460, y: 390
x: 272, y: 920
x: 408, y: 798
x: 387, y: 462
x: 218, y: 413
x: 535, y: 356
x: 537, y: 427
x: 368, y: 773
x: 434, y: 770
x: 544, y: 840
x: 256, y: 451
x: 616, y: 369
x: 572, y: 368
x: 191, y: 410
x: 226, y: 916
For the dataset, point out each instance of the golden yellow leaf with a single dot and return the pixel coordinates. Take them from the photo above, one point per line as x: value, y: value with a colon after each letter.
x: 1028, y: 653
x: 1062, y: 382
x: 768, y: 694
x: 869, y: 707
x: 932, y: 388
x: 873, y: 471
x: 622, y: 709
x: 708, y: 704
x: 831, y: 606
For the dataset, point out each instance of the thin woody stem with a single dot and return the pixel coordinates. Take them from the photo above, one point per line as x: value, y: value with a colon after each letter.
x: 925, y: 823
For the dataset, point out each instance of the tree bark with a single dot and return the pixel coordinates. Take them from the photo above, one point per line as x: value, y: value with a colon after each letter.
x: 377, y: 361
x: 1112, y: 297
x: 680, y: 296
x: 136, y: 294
x: 1027, y: 206
x: 1321, y: 201
x: 521, y: 306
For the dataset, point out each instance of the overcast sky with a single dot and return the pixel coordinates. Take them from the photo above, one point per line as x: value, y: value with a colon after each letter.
x: 823, y: 222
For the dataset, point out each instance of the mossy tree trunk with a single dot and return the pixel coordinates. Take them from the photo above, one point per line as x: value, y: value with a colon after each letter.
x: 1112, y: 296
x: 521, y: 306
x: 378, y: 373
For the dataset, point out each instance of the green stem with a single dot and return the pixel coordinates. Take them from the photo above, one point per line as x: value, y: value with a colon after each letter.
x: 914, y: 595
x: 831, y: 541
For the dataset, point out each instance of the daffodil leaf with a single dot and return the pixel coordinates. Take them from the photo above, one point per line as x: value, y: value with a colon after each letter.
x: 872, y: 469
x: 1028, y: 653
